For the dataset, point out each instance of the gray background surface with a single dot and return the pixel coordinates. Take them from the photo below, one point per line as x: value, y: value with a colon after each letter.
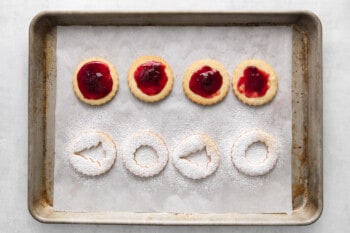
x: 15, y: 17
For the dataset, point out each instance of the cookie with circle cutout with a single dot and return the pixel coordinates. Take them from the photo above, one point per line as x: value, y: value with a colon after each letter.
x: 150, y: 78
x: 192, y: 144
x: 145, y: 139
x: 102, y: 154
x: 255, y: 82
x: 206, y: 82
x: 242, y: 143
x: 95, y: 81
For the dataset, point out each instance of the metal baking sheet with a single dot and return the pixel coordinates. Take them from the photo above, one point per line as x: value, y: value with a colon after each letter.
x: 306, y: 105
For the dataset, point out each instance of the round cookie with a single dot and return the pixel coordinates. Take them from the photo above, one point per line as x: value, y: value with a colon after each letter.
x: 240, y: 146
x: 92, y: 165
x: 255, y: 82
x: 206, y: 82
x: 150, y: 78
x: 149, y: 139
x: 192, y: 144
x: 95, y: 81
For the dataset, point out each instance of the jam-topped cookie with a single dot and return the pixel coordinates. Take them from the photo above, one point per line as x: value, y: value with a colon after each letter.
x: 255, y: 82
x: 206, y: 82
x: 95, y: 81
x: 150, y: 78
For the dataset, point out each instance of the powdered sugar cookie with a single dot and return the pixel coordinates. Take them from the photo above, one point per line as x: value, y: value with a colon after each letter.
x: 95, y: 81
x: 139, y: 140
x: 206, y: 82
x: 255, y: 82
x: 150, y: 78
x: 192, y: 144
x: 240, y: 146
x: 95, y: 163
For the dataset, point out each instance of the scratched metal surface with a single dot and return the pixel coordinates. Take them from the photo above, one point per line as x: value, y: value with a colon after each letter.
x: 307, y: 116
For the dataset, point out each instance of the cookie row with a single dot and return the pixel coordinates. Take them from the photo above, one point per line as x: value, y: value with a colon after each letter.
x: 94, y: 166
x: 151, y: 79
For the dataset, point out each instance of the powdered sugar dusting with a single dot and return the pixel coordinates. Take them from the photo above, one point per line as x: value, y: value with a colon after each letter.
x: 88, y: 165
x: 192, y: 144
x: 241, y: 145
x: 145, y: 139
x: 174, y: 118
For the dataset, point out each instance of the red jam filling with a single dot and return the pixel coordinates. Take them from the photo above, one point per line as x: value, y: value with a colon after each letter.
x: 206, y: 82
x: 95, y: 80
x: 150, y: 77
x: 254, y: 82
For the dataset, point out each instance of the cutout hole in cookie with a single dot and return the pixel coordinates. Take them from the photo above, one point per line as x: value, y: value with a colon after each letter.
x: 94, y: 153
x: 146, y: 156
x: 256, y: 152
x: 199, y: 158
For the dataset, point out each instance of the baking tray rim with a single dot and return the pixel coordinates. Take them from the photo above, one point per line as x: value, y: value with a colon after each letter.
x: 41, y: 211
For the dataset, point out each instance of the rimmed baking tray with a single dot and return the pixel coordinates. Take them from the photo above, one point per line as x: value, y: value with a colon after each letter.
x: 306, y: 106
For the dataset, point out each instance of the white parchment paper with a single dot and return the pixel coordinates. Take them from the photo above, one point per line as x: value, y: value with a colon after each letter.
x: 174, y: 118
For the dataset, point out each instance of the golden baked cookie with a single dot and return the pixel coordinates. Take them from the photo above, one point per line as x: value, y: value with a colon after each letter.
x: 95, y: 81
x: 150, y: 78
x: 206, y: 82
x: 255, y: 82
